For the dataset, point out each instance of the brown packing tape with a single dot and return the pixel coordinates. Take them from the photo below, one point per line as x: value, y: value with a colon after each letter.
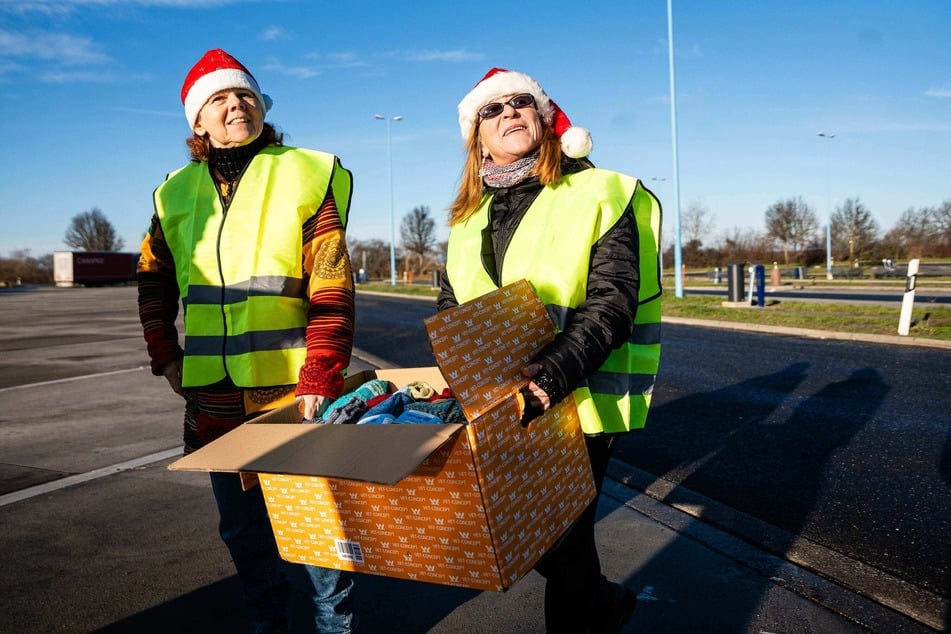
x: 248, y: 480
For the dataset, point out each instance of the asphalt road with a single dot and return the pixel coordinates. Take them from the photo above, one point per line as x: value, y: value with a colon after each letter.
x: 832, y: 456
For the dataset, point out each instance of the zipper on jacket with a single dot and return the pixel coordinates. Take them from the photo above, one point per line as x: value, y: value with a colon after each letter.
x: 225, y: 201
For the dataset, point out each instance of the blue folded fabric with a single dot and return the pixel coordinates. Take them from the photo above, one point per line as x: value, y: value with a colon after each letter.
x: 386, y: 411
x: 447, y: 410
x: 413, y: 417
x: 367, y: 391
x: 396, y: 410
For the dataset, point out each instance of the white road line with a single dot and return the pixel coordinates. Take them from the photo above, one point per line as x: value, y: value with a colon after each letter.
x: 372, y: 359
x: 72, y: 378
x: 360, y: 354
x: 79, y: 478
x: 62, y: 483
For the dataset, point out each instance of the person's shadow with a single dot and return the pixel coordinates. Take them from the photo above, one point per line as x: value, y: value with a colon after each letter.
x: 737, y: 446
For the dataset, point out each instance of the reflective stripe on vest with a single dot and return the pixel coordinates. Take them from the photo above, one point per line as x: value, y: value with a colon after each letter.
x: 239, y: 271
x: 617, y: 397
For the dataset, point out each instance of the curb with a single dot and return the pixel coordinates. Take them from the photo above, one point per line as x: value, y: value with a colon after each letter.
x: 810, y: 332
x: 846, y: 586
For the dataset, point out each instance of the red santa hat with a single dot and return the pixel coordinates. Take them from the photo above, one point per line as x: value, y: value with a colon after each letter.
x: 215, y: 71
x: 499, y: 82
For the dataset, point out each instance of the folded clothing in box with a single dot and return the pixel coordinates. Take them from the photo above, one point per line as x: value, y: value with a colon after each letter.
x: 374, y: 404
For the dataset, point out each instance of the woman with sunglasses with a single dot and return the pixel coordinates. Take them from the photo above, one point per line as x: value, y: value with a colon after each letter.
x: 531, y: 206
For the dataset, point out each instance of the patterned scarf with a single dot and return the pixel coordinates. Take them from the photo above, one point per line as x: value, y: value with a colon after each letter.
x: 501, y: 176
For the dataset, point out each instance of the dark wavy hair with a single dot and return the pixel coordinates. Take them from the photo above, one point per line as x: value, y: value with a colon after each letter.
x: 199, y: 145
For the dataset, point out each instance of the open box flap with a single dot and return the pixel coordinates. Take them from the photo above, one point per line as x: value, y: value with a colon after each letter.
x: 383, y: 454
x: 482, y: 345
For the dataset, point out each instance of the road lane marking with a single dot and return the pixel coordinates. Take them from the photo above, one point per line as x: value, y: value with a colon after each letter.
x: 360, y: 354
x: 62, y: 483
x: 72, y: 378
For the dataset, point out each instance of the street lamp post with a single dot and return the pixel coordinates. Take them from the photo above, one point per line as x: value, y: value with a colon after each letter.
x: 678, y: 267
x: 829, y: 275
x: 389, y: 167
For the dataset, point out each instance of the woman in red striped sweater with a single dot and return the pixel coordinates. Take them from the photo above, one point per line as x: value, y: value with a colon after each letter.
x: 249, y: 238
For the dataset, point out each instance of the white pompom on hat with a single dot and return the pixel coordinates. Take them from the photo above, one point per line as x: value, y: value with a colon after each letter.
x: 499, y: 82
x: 216, y: 71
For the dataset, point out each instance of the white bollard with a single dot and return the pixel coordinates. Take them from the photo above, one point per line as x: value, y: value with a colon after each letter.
x: 908, y: 300
x: 749, y: 295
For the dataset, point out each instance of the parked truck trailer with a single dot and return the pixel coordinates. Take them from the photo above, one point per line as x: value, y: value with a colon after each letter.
x: 93, y: 268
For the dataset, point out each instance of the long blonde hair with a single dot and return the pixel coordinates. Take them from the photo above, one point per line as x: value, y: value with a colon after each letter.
x: 469, y: 196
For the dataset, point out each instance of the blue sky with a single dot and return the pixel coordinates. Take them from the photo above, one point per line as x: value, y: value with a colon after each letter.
x: 89, y: 92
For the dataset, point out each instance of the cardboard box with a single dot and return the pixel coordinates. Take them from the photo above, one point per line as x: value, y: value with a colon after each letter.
x: 471, y: 505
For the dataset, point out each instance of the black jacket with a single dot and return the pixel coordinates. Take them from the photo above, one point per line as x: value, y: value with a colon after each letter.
x: 604, y: 321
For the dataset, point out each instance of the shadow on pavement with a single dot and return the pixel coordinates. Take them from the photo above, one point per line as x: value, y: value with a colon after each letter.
x: 384, y: 604
x: 209, y: 609
x: 751, y: 456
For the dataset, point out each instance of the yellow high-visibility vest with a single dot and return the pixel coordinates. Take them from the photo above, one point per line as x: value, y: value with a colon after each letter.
x: 239, y: 269
x: 551, y: 248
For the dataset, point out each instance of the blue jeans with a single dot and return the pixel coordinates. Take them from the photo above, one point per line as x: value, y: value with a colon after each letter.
x: 246, y: 531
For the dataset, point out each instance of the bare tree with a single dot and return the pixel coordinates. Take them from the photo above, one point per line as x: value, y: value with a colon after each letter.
x: 92, y: 231
x: 910, y: 236
x: 941, y: 220
x: 792, y: 223
x: 743, y: 244
x: 371, y: 257
x: 854, y: 228
x: 22, y: 268
x: 697, y: 224
x: 418, y: 232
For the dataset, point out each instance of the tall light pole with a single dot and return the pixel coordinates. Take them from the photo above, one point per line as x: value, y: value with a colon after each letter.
x: 826, y: 135
x: 389, y: 167
x: 678, y: 281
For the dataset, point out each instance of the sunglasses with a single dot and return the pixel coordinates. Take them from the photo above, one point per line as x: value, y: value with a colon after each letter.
x: 494, y: 109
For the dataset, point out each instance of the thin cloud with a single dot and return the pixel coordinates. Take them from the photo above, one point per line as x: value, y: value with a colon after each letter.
x: 345, y: 58
x: 274, y: 33
x: 925, y: 126
x: 938, y: 92
x: 443, y: 56
x: 7, y: 68
x: 62, y: 7
x: 300, y: 72
x: 78, y: 77
x: 692, y: 52
x: 328, y: 61
x: 156, y: 113
x: 67, y: 50
x: 919, y: 127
